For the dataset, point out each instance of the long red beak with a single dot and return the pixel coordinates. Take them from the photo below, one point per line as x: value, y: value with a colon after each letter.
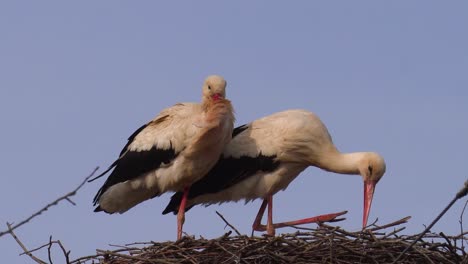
x: 369, y: 187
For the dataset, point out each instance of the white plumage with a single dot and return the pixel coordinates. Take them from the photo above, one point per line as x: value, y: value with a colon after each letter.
x: 169, y: 153
x: 266, y: 155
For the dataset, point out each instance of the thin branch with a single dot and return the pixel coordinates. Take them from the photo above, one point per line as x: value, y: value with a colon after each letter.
x: 449, y: 244
x: 227, y: 223
x: 106, y: 252
x: 65, y: 252
x: 461, y: 226
x: 371, y: 224
x: 48, y: 250
x: 64, y: 197
x: 398, y: 222
x: 86, y: 258
x: 36, y: 259
x: 459, y: 195
x: 36, y: 249
x: 70, y: 201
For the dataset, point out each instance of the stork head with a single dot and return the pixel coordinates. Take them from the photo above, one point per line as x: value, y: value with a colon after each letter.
x: 214, y: 88
x: 371, y: 168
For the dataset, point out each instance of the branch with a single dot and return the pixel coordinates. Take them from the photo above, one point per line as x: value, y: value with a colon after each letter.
x: 227, y: 223
x: 398, y: 222
x: 459, y: 195
x: 66, y: 254
x: 461, y: 226
x: 48, y: 250
x: 10, y: 231
x: 65, y: 197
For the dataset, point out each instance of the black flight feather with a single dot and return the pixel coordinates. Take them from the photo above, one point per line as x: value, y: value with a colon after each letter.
x: 130, y: 140
x: 239, y: 130
x: 227, y: 172
x: 132, y: 164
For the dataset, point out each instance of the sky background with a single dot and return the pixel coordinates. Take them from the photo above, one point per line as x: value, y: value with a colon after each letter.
x: 77, y: 78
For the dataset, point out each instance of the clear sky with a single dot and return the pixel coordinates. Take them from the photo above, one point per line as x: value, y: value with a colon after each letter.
x: 78, y: 77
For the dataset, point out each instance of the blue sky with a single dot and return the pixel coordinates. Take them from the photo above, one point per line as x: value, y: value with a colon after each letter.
x: 77, y: 78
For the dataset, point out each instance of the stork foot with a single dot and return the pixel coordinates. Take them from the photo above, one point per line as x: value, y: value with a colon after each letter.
x: 316, y: 219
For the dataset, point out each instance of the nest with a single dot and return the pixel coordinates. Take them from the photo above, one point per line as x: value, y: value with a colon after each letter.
x: 325, y: 244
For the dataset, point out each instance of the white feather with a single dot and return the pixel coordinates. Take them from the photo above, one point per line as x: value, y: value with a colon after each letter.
x: 197, y: 133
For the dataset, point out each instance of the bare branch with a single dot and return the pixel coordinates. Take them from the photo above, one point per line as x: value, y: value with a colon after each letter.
x: 70, y: 201
x: 48, y: 250
x: 461, y: 226
x: 65, y: 252
x: 398, y: 222
x: 459, y: 195
x: 64, y: 197
x: 36, y: 259
x: 227, y: 223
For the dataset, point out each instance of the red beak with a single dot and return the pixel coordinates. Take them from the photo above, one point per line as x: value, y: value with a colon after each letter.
x: 369, y: 187
x: 216, y: 96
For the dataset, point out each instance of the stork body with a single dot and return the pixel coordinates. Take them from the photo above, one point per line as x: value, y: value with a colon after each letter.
x: 171, y: 152
x: 266, y: 155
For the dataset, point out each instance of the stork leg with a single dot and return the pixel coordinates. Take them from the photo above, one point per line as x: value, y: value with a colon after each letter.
x: 181, y: 213
x: 316, y: 219
x: 257, y: 225
x: 258, y: 219
x: 270, y: 225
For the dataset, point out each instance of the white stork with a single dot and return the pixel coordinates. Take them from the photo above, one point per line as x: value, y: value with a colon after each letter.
x: 169, y: 153
x: 266, y: 155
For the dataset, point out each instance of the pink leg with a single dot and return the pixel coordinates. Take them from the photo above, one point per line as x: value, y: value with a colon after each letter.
x: 181, y: 213
x: 257, y: 225
x: 257, y: 222
x: 270, y: 225
x: 315, y: 219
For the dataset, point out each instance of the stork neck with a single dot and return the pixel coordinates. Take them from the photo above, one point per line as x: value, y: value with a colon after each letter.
x: 344, y: 163
x: 208, y: 104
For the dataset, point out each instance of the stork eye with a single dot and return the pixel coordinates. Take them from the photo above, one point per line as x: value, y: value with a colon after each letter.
x: 370, y: 169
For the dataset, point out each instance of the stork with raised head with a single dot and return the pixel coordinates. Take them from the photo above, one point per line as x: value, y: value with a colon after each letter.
x: 266, y: 155
x: 174, y: 150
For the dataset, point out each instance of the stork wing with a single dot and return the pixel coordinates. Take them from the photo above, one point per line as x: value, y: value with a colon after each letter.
x: 241, y: 160
x: 152, y: 145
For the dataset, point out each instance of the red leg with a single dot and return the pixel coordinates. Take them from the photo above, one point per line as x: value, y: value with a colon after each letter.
x: 315, y: 219
x: 257, y: 225
x: 181, y: 213
x: 257, y: 222
x: 270, y: 225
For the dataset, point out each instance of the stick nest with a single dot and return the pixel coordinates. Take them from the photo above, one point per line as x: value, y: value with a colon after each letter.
x: 325, y: 244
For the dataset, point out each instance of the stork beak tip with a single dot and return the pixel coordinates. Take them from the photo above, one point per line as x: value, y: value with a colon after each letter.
x: 369, y: 187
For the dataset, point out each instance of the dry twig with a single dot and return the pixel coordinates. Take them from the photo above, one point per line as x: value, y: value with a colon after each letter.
x: 463, y: 192
x: 227, y: 223
x: 64, y: 197
x: 36, y: 259
x: 461, y: 225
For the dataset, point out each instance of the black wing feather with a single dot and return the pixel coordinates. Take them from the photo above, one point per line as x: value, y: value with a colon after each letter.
x: 132, y: 164
x: 226, y: 173
x: 130, y: 140
x: 132, y: 137
x: 239, y: 130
